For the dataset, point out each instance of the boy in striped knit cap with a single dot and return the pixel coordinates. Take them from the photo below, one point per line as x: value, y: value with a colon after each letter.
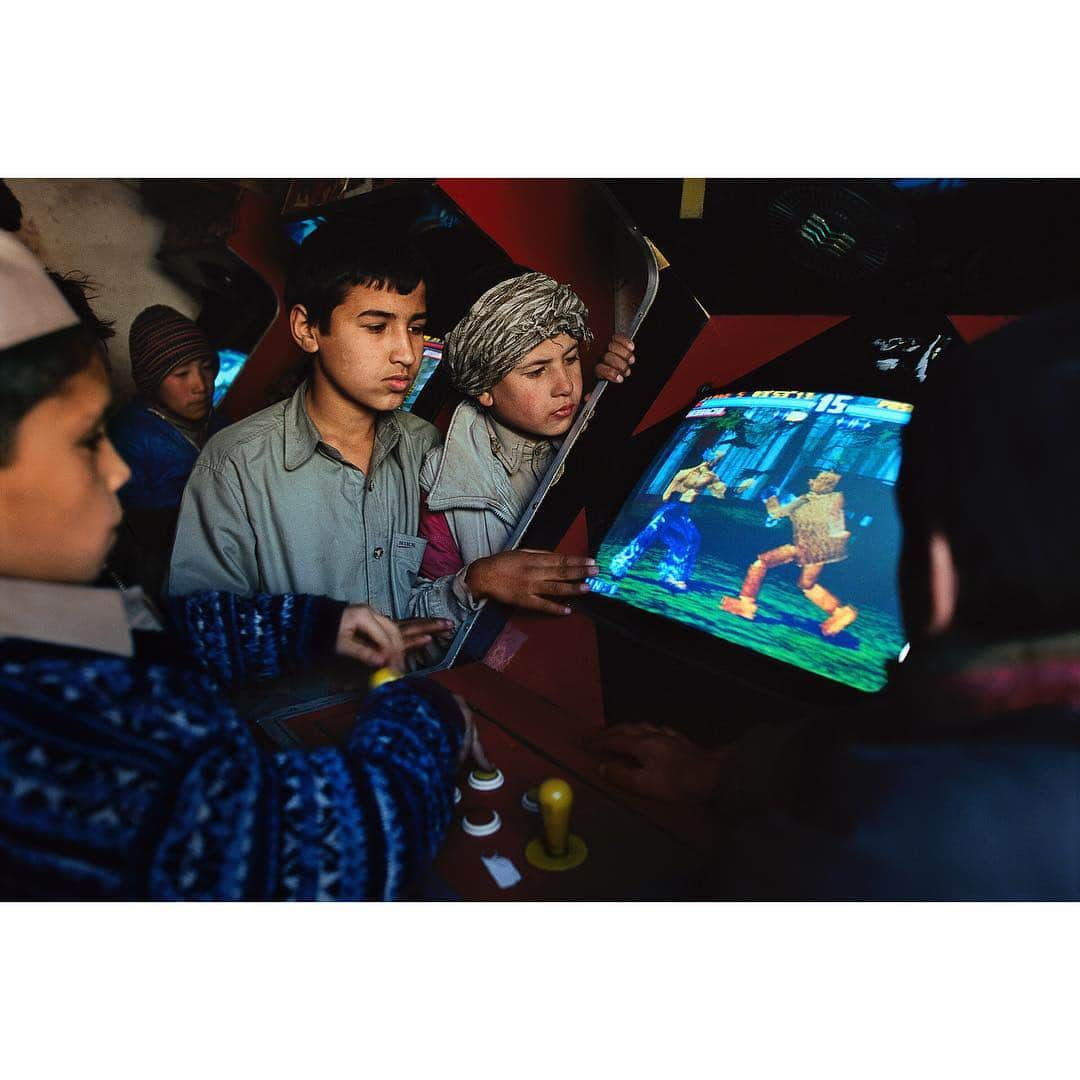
x: 160, y: 435
x: 124, y: 773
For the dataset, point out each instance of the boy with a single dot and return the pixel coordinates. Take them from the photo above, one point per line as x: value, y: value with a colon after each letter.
x: 160, y: 435
x: 320, y: 493
x: 516, y: 358
x: 122, y: 774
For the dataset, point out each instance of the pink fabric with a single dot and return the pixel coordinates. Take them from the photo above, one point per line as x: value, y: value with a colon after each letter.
x: 441, y: 557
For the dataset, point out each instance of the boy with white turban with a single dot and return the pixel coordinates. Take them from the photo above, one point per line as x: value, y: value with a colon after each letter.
x: 516, y: 358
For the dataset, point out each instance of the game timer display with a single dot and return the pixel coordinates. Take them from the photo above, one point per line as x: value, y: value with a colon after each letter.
x: 768, y: 520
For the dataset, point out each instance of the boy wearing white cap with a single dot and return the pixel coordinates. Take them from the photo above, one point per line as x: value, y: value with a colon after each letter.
x: 123, y: 772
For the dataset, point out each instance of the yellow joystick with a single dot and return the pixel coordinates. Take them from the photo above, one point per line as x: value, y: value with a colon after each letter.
x: 382, y: 675
x: 558, y: 849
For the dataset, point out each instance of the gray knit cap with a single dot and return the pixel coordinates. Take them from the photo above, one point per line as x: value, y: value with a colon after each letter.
x: 508, y: 321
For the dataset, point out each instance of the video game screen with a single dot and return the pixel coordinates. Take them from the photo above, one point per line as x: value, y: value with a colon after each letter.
x: 769, y: 520
x: 429, y: 361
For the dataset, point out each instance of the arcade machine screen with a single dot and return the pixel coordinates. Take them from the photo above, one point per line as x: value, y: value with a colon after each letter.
x: 230, y: 361
x: 768, y: 520
x: 429, y: 361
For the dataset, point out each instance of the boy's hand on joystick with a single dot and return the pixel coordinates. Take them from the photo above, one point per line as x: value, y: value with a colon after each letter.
x: 470, y: 741
x: 525, y: 577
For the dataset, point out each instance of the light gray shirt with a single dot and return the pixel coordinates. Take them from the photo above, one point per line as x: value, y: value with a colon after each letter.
x: 482, y: 479
x: 271, y: 508
x: 525, y: 460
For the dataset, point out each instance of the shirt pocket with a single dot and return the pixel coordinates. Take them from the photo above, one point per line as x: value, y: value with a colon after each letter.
x: 406, y: 554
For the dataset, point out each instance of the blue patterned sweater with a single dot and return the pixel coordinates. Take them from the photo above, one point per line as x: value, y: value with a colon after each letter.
x: 129, y: 778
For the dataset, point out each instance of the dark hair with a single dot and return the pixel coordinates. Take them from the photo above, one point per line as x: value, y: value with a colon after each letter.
x: 35, y: 370
x: 991, y: 461
x: 10, y: 209
x: 78, y: 291
x: 341, y: 254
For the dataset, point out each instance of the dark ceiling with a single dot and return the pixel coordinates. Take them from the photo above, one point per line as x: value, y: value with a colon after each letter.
x: 793, y: 246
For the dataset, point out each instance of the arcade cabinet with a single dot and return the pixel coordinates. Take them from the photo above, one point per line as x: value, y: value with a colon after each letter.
x: 737, y: 493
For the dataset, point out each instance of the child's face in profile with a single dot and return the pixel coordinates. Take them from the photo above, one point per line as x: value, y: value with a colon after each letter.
x: 188, y: 390
x: 58, y: 506
x: 372, y: 352
x: 541, y: 395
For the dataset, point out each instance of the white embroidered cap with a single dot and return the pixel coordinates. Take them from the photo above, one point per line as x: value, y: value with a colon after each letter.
x: 31, y: 306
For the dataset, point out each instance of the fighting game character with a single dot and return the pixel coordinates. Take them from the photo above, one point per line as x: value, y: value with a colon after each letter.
x: 672, y: 525
x: 820, y: 536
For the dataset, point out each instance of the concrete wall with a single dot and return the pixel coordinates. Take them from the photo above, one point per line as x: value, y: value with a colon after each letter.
x: 101, y: 229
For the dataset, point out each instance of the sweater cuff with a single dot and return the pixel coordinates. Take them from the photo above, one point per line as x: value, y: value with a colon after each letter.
x: 441, y: 699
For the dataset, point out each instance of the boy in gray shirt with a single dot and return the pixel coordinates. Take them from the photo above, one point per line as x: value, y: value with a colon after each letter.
x: 320, y: 494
